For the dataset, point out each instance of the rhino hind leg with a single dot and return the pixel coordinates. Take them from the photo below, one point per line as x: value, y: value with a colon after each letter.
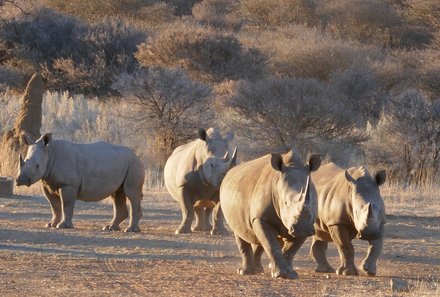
x: 187, y: 208
x: 318, y: 252
x: 202, y: 215
x: 132, y: 188
x: 247, y: 254
x: 341, y: 237
x: 55, y: 204
x: 120, y: 211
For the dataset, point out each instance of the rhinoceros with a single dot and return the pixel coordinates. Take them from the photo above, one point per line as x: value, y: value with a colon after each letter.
x: 349, y: 206
x: 88, y: 172
x: 193, y: 174
x: 266, y: 199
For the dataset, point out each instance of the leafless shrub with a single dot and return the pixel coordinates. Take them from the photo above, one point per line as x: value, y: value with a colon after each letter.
x: 362, y: 20
x: 205, y: 53
x: 298, y: 51
x: 278, y: 113
x: 168, y: 107
x: 272, y: 13
x: 405, y: 140
x: 77, y: 57
x: 218, y: 14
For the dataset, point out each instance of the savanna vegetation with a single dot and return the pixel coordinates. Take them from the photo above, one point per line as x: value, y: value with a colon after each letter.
x: 357, y: 80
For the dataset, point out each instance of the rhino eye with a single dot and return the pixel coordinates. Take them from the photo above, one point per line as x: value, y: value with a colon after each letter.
x: 38, y: 165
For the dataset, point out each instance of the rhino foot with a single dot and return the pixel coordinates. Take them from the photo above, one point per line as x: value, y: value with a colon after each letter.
x: 111, y: 228
x: 287, y: 274
x: 64, y: 225
x: 325, y: 269
x: 201, y: 228
x: 368, y: 268
x: 219, y: 232
x: 259, y: 269
x: 347, y: 271
x: 51, y: 224
x: 182, y: 230
x: 245, y: 270
x: 132, y: 229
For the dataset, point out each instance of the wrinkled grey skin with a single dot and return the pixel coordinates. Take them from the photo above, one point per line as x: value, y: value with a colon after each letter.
x: 268, y: 198
x: 193, y: 174
x: 88, y: 172
x: 349, y: 206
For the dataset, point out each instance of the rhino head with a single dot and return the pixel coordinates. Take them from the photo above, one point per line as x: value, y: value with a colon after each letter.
x: 214, y: 156
x: 32, y: 169
x: 295, y: 194
x: 367, y: 203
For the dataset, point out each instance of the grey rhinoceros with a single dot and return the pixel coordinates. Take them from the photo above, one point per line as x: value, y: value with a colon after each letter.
x: 193, y: 174
x: 349, y: 206
x: 266, y: 199
x: 88, y: 172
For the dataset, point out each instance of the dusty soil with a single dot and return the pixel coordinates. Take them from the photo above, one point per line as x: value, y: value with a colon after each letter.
x: 85, y: 261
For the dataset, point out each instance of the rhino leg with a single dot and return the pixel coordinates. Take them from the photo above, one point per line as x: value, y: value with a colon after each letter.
x: 132, y: 189
x: 218, y: 227
x: 369, y: 263
x: 68, y: 197
x: 202, y: 219
x: 268, y: 237
x: 291, y: 247
x: 55, y: 204
x: 341, y: 237
x: 120, y: 211
x: 258, y: 252
x: 187, y: 208
x: 247, y: 254
x: 318, y: 252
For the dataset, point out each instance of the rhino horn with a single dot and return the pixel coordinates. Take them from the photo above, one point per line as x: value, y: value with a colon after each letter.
x: 233, y: 160
x: 306, y: 194
x: 21, y: 161
x: 226, y: 157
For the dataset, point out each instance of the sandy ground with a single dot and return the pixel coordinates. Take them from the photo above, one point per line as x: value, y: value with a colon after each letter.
x: 85, y: 261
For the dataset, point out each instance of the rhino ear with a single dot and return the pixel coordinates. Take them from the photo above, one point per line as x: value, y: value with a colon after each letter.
x: 27, y: 139
x: 380, y: 177
x: 229, y: 136
x: 47, y: 138
x: 315, y: 162
x: 277, y: 161
x: 202, y: 134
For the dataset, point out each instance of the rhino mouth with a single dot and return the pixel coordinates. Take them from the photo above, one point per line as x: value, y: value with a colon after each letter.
x: 301, y: 231
x: 22, y: 182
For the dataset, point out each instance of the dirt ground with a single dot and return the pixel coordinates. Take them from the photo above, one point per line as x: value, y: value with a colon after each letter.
x: 85, y: 261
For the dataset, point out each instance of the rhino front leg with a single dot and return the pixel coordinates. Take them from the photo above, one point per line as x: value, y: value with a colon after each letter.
x: 291, y: 247
x: 318, y: 252
x: 68, y: 197
x: 258, y: 252
x: 368, y: 265
x: 187, y: 208
x: 341, y: 237
x: 218, y: 227
x: 247, y: 255
x: 55, y: 204
x: 267, y: 235
x: 120, y: 211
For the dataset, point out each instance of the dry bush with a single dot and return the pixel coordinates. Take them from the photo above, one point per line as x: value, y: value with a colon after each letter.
x: 362, y: 20
x: 280, y: 113
x: 167, y: 106
x: 74, y: 56
x: 298, y: 51
x: 271, y: 13
x: 405, y: 140
x: 218, y: 14
x: 206, y: 54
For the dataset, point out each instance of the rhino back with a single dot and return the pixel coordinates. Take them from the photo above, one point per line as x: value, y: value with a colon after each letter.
x: 245, y: 194
x: 333, y: 196
x: 97, y: 169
